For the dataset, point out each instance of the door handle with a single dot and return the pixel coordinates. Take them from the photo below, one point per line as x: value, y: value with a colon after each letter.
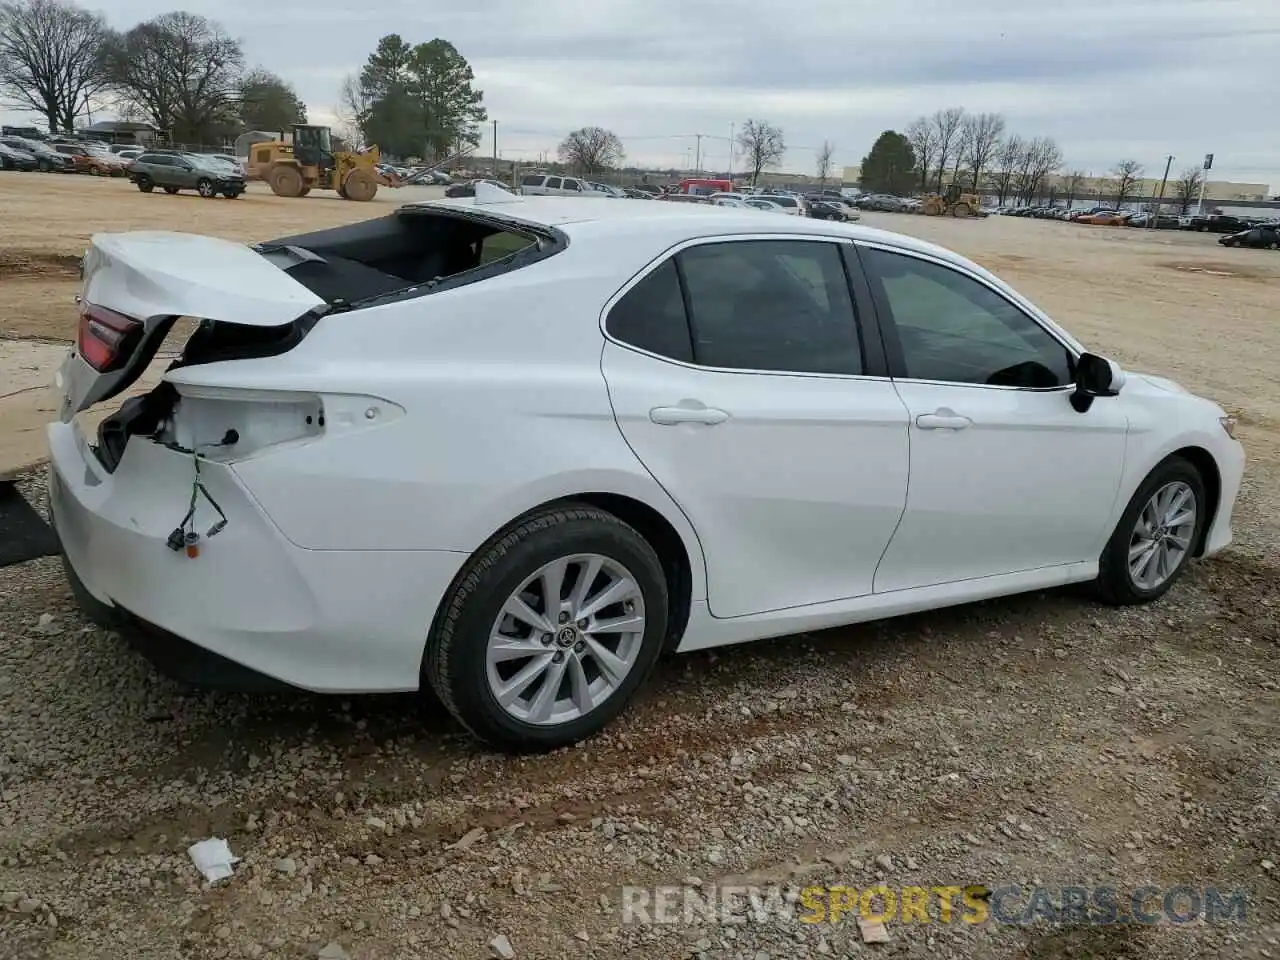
x: 670, y: 416
x: 942, y: 419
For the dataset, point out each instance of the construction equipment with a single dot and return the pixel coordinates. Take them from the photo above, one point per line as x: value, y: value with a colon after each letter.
x: 292, y: 169
x: 951, y: 201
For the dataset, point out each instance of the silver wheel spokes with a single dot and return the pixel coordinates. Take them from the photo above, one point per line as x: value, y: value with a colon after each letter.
x: 566, y: 639
x: 1162, y: 536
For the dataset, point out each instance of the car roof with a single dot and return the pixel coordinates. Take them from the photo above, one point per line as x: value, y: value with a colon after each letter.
x: 668, y: 222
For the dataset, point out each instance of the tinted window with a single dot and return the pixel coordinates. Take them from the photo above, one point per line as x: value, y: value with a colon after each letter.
x: 533, y: 180
x: 571, y: 184
x: 953, y: 328
x: 154, y: 158
x: 553, y: 183
x: 651, y: 315
x: 771, y: 305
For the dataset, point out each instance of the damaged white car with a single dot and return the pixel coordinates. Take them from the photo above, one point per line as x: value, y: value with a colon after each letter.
x: 514, y: 448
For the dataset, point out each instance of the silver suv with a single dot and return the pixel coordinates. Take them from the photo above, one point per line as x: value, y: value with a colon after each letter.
x: 548, y: 185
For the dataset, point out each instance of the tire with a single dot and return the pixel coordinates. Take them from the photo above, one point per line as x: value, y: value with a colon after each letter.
x: 359, y: 186
x: 286, y: 181
x: 145, y: 185
x: 456, y: 662
x: 231, y: 194
x: 1116, y: 583
x: 95, y: 172
x: 205, y: 188
x: 171, y: 190
x: 44, y: 166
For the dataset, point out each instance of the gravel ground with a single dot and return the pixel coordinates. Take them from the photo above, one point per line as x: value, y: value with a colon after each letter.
x: 1041, y: 739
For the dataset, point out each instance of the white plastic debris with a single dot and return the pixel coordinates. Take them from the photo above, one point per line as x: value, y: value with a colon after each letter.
x: 213, y: 858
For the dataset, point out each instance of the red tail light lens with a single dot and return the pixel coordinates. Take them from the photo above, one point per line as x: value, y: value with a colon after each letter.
x: 106, y: 338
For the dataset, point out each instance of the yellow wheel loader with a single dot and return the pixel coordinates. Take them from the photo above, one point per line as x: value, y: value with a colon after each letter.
x: 294, y: 169
x: 951, y: 201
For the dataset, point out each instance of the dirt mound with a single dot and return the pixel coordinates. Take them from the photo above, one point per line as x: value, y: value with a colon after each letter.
x: 47, y: 266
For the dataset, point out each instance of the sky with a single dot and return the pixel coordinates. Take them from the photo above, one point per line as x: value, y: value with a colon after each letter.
x: 1109, y: 79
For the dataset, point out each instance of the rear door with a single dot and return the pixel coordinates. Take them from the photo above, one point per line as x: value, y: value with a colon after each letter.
x: 740, y: 376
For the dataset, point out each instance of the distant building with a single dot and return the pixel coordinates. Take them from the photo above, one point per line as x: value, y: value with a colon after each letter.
x: 122, y: 131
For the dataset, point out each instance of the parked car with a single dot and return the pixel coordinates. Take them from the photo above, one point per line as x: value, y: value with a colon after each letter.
x: 795, y: 206
x: 608, y: 191
x: 85, y: 161
x: 480, y: 448
x: 544, y: 185
x: 47, y: 159
x: 826, y: 210
x: 13, y: 159
x: 188, y: 171
x: 468, y: 189
x: 235, y: 163
x: 1218, y: 223
x: 634, y: 194
x: 1267, y: 237
x: 759, y: 203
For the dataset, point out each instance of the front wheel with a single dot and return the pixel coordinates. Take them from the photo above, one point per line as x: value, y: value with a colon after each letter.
x: 549, y: 630
x: 1156, y: 535
x: 145, y: 184
x: 206, y: 189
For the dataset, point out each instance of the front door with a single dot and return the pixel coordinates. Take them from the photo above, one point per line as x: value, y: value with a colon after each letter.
x: 752, y: 408
x: 1006, y: 476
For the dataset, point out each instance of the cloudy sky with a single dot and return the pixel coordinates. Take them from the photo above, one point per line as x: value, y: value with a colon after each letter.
x: 1110, y: 79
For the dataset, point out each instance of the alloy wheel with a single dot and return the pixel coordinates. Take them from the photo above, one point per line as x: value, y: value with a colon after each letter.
x: 1161, y: 538
x: 566, y: 639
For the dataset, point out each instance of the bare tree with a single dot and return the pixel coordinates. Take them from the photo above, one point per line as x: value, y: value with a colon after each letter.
x: 591, y: 150
x: 52, y: 58
x: 1039, y: 157
x: 1074, y: 182
x: 1006, y: 162
x: 1127, y: 174
x: 924, y: 143
x: 353, y: 106
x: 763, y: 145
x: 985, y: 131
x: 946, y: 127
x: 182, y: 72
x: 823, y: 162
x: 1187, y: 187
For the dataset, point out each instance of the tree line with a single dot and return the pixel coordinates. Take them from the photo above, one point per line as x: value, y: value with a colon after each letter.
x: 975, y: 151
x: 180, y: 72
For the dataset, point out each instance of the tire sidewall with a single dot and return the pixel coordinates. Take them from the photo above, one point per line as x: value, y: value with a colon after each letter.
x: 1117, y: 579
x: 205, y: 189
x: 466, y: 633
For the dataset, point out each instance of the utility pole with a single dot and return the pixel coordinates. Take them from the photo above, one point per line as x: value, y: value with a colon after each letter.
x: 1204, y: 179
x: 495, y: 149
x: 697, y: 156
x: 1151, y: 221
x: 731, y: 156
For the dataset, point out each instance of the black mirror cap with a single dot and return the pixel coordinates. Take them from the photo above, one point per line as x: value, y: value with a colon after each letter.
x: 1095, y: 377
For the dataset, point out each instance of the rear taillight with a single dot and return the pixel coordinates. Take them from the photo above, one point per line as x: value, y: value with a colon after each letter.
x: 106, y: 338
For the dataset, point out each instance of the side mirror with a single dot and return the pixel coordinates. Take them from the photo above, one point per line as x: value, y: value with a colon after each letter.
x: 1095, y: 377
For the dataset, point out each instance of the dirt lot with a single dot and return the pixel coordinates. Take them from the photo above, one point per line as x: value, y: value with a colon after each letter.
x: 1037, y: 740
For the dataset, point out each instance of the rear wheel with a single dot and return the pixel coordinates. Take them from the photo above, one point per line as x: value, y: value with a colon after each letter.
x: 206, y: 189
x: 95, y: 172
x: 549, y: 629
x: 1156, y: 535
x: 44, y: 166
x: 145, y: 184
x: 960, y: 210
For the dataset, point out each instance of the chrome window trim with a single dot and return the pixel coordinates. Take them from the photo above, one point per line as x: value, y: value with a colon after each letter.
x: 675, y: 249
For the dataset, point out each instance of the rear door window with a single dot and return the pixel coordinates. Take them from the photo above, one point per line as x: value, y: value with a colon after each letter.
x: 571, y: 184
x: 531, y: 181
x: 651, y: 316
x: 553, y: 183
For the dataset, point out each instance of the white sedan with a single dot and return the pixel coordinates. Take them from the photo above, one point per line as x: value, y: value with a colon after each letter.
x: 514, y: 448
